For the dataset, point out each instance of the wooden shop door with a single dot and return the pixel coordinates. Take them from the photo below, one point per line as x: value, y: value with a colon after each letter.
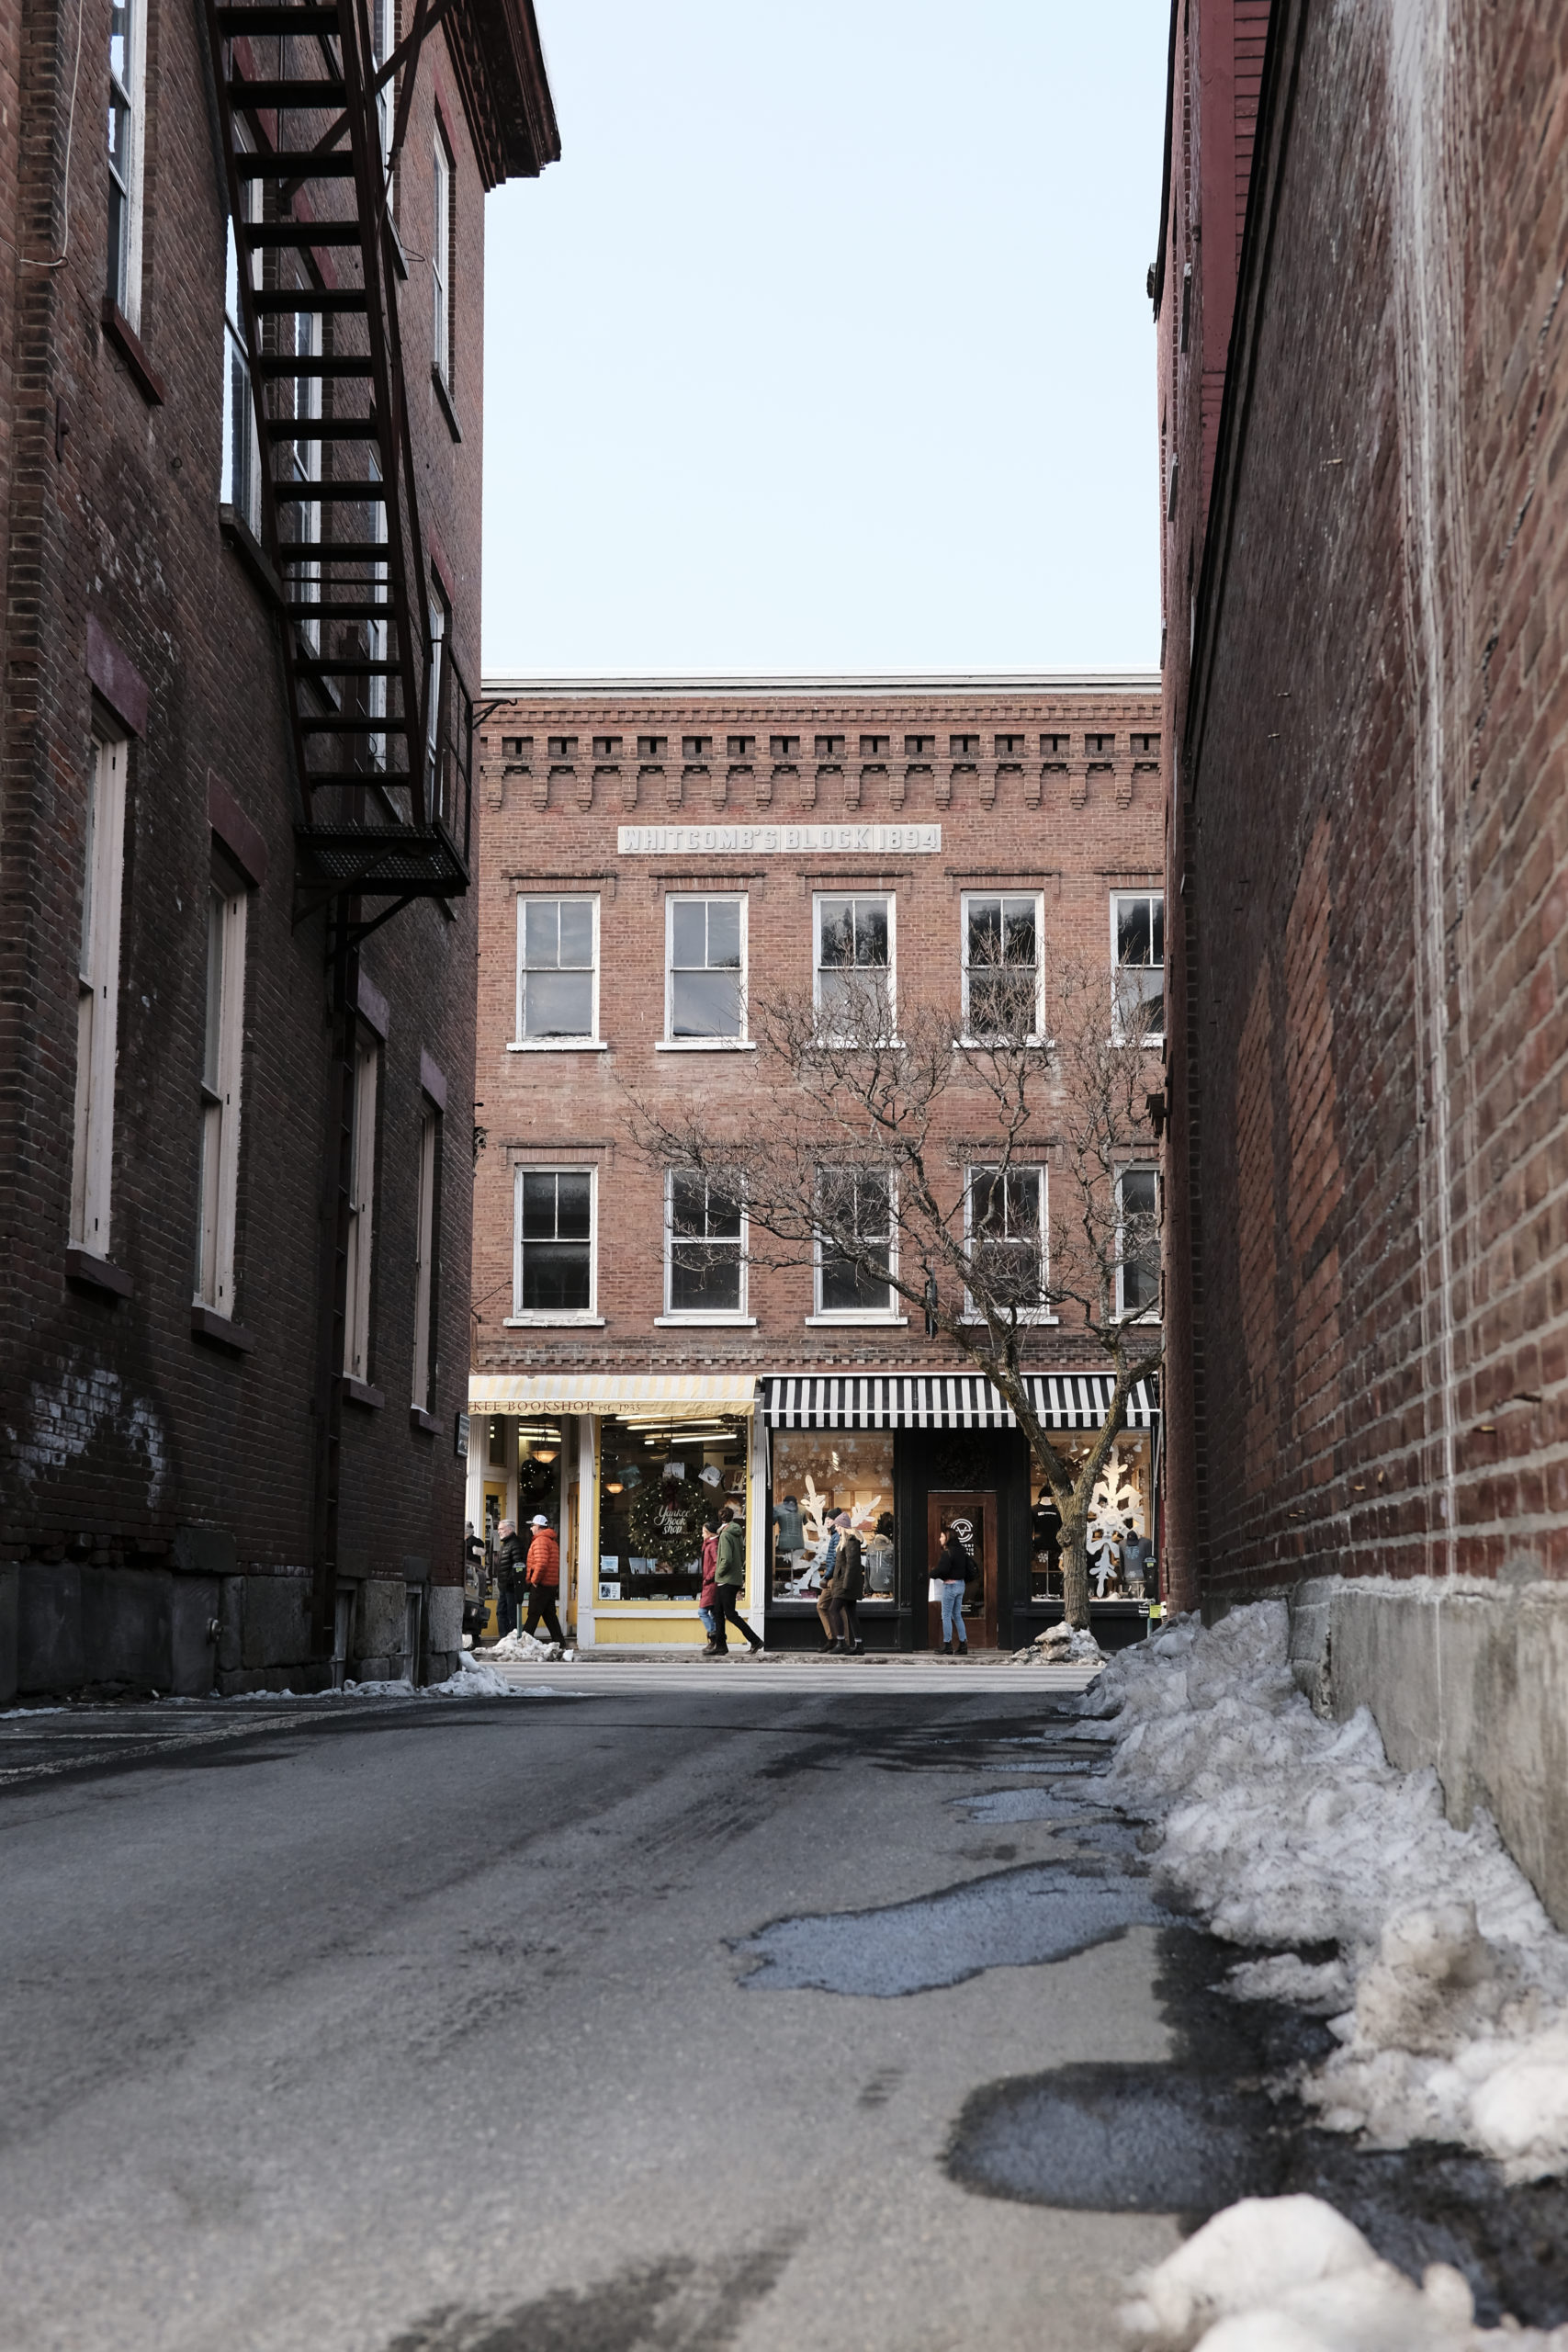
x: 975, y: 1516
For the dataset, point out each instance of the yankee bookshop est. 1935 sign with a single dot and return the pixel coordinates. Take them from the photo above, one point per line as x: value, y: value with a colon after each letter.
x: 778, y: 841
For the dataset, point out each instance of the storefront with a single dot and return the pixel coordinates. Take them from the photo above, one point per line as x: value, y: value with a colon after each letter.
x: 907, y: 1456
x: 642, y: 1460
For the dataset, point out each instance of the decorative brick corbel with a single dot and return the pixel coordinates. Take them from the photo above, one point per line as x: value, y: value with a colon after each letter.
x: 1124, y: 784
x: 1077, y: 784
x: 764, y: 787
x: 1034, y: 786
x: 942, y: 771
x: 988, y: 774
x: 898, y: 782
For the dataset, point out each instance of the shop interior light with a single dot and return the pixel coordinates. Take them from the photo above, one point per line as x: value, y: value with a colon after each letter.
x: 612, y: 1486
x: 545, y: 1453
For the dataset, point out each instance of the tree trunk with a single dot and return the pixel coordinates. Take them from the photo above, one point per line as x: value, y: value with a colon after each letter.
x: 1073, y: 1543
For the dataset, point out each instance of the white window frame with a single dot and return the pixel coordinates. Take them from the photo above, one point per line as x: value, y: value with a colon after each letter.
x: 375, y: 631
x: 522, y: 1317
x: 1153, y: 1038
x: 669, y: 1042
x: 383, y: 40
x: 881, y: 1317
x: 361, y: 1211
x: 425, y: 1242
x: 305, y: 459
x: 222, y: 1069
x: 676, y: 1317
x: 1038, y: 1169
x: 1124, y: 1314
x: 592, y: 1043
x: 1037, y: 1031
x: 890, y: 900
x: 242, y: 441
x: 440, y: 261
x: 130, y: 90
x: 97, y: 1016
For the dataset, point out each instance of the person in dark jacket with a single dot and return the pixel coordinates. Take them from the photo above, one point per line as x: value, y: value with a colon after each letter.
x: 508, y: 1578
x: 729, y: 1576
x: 707, y: 1598
x: 830, y: 1552
x: 954, y: 1568
x: 845, y: 1588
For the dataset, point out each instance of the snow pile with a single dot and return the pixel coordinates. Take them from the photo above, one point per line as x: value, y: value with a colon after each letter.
x: 1288, y: 2274
x: 519, y: 1644
x: 1449, y: 1993
x: 473, y: 1679
x: 1062, y: 1645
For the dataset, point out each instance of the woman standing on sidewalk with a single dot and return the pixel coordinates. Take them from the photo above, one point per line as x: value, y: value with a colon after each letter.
x: 953, y: 1569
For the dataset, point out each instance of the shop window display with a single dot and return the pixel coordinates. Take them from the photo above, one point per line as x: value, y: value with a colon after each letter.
x: 1119, y: 1527
x: 816, y: 1473
x: 656, y: 1483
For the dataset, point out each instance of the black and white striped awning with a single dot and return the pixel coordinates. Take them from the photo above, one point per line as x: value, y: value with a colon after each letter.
x: 1066, y: 1400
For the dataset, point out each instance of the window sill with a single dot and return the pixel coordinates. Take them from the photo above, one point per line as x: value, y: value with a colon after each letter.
x: 721, y: 1321
x: 543, y: 1322
x: 360, y: 1392
x: 998, y: 1045
x: 445, y: 397
x: 205, y: 1323
x: 96, y: 1273
x: 557, y: 1046
x: 978, y: 1321
x: 703, y: 1045
x: 128, y: 343
x: 238, y: 534
x: 420, y: 1420
x: 848, y: 1321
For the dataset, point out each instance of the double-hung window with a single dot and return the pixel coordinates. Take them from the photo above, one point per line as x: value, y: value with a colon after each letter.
x: 704, y: 1254
x: 1003, y: 990
x: 1137, y: 1241
x: 128, y: 51
x: 305, y: 462
x: 242, y: 447
x: 440, y: 263
x: 854, y: 966
x: 553, y: 1250
x: 1007, y: 1241
x: 1137, y: 951
x: 856, y: 1252
x: 706, y: 999
x: 558, y: 971
x: 426, y: 1235
x: 361, y: 1211
x: 97, y: 1016
x: 223, y: 1058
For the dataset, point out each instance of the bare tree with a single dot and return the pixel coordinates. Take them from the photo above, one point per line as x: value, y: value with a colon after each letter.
x: 950, y: 1154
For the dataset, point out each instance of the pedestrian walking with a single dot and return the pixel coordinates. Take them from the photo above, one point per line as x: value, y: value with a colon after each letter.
x: 846, y: 1585
x: 508, y: 1578
x: 729, y: 1575
x: 544, y: 1579
x: 954, y: 1568
x: 830, y: 1552
x: 707, y: 1598
x: 473, y: 1583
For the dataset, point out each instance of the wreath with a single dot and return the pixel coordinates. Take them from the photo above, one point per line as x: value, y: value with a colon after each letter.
x: 534, y: 1480
x: 666, y: 1520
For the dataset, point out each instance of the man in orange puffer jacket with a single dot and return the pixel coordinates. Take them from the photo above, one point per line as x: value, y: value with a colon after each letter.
x: 544, y: 1580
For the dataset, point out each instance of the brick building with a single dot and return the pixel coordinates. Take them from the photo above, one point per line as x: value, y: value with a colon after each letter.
x: 240, y: 400
x: 650, y: 852
x: 1363, y: 408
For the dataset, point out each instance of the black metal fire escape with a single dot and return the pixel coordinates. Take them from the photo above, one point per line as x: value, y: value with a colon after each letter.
x: 311, y: 142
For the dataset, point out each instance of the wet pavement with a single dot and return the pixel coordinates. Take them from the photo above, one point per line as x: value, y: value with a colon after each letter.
x: 695, y: 2016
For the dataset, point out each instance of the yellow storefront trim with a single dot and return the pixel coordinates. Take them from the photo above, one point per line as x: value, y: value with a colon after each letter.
x: 692, y: 1395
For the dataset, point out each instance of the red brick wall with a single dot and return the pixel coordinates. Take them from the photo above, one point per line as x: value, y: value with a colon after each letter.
x: 1074, y: 831
x: 1370, y: 1249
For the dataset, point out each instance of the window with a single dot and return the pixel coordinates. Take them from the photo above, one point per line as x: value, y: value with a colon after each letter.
x: 440, y: 263
x: 1137, y: 948
x: 562, y: 747
x: 855, y: 961
x: 516, y: 747
x: 1003, y: 997
x: 707, y: 968
x: 97, y: 1016
x: 704, y: 1254
x: 650, y: 747
x: 383, y: 40
x: 305, y: 460
x: 426, y: 1233
x: 875, y: 747
x: 435, y: 688
x: 1009, y: 747
x: 558, y: 978
x: 361, y: 1211
x: 1146, y: 747
x: 739, y: 746
x: 964, y: 747
x: 1137, y: 1241
x: 1006, y: 1239
x: 1098, y: 747
x: 606, y: 747
x: 126, y: 61
x: 221, y: 1059
x: 919, y: 747
x: 696, y: 747
x: 1055, y: 747
x: 554, y: 1267
x: 376, y: 636
x: 242, y: 447
x: 816, y: 1474
x: 854, y: 1205
x: 784, y: 747
x: 830, y: 747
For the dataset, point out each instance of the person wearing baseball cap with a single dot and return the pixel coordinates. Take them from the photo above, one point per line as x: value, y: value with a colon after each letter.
x: 544, y: 1580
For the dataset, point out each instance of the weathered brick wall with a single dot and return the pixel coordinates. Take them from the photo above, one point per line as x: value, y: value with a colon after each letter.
x: 120, y: 1425
x: 1367, y: 806
x: 1076, y: 825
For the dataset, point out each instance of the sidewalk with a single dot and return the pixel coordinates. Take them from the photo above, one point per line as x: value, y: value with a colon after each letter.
x: 928, y: 1672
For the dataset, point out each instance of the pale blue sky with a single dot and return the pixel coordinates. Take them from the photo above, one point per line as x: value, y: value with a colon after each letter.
x: 825, y: 346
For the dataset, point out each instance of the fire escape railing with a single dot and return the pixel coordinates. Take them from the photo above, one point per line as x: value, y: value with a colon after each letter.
x: 311, y: 142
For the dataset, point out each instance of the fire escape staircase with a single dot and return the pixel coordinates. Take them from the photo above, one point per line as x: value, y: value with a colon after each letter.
x: 381, y: 722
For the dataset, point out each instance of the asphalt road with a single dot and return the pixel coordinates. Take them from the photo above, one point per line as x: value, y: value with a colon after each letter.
x: 538, y: 2024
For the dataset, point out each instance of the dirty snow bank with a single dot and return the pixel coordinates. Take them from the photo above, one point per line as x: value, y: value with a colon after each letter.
x: 1288, y: 2274
x: 1448, y: 1995
x: 519, y: 1644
